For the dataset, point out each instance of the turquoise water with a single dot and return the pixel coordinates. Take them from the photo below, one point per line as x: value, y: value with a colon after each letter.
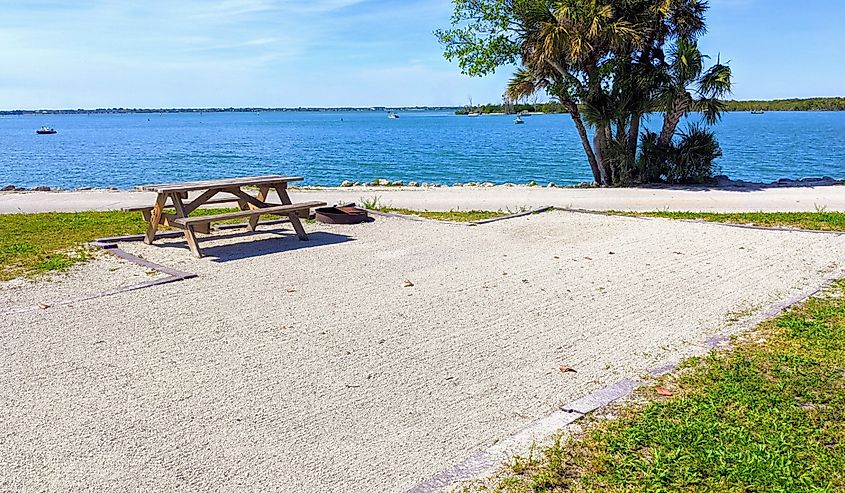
x: 125, y: 150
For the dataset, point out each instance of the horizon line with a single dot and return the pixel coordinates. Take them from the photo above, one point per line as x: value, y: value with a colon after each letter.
x: 187, y: 109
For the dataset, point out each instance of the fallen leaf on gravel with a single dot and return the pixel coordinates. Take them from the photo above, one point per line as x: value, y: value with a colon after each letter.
x: 291, y: 290
x: 587, y: 258
x: 663, y: 391
x: 43, y: 306
x: 556, y: 257
x: 407, y: 283
x: 566, y: 369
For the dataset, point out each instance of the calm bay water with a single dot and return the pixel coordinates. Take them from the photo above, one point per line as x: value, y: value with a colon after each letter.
x: 125, y: 150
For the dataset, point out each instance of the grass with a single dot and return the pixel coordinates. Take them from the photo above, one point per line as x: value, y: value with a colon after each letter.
x: 767, y: 415
x: 374, y: 203
x: 453, y: 215
x: 32, y: 244
x: 817, y: 221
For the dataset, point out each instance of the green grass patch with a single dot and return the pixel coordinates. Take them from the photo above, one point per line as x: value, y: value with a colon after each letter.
x: 453, y: 215
x: 817, y: 221
x: 31, y: 244
x: 374, y: 203
x: 767, y: 415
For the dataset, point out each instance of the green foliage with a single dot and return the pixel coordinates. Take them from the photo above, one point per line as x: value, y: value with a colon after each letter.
x: 480, y: 40
x: 688, y: 159
x: 767, y: 415
x: 487, y: 109
x: 372, y: 203
x: 605, y: 62
x: 809, y: 104
x: 691, y: 159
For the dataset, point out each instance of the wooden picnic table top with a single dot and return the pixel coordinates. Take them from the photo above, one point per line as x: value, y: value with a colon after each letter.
x: 221, y: 183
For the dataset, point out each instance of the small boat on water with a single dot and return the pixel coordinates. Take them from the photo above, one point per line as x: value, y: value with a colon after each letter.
x: 392, y: 115
x: 519, y: 120
x: 757, y: 112
x: 45, y: 131
x: 474, y: 114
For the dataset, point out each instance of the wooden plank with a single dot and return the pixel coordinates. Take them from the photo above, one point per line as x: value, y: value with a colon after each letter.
x: 190, y: 236
x: 262, y: 196
x: 219, y: 184
x: 169, y: 205
x: 282, y: 210
x: 199, y: 201
x: 281, y: 189
x: 249, y: 199
x: 155, y: 218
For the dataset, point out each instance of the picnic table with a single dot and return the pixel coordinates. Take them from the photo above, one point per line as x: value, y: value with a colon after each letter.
x: 175, y: 196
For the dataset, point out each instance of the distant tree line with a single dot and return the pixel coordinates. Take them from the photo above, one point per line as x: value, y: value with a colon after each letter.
x: 486, y: 109
x: 807, y: 104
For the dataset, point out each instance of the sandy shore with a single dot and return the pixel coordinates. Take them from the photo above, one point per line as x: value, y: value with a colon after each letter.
x: 307, y: 366
x: 729, y: 199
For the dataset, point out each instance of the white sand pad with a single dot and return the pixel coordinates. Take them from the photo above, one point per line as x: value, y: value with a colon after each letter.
x: 350, y: 381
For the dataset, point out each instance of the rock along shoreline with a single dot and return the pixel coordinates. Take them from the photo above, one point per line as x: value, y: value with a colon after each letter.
x: 720, y: 181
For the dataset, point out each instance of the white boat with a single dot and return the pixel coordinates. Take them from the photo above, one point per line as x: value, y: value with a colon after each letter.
x: 519, y: 120
x: 45, y: 131
x: 474, y: 114
x: 392, y: 115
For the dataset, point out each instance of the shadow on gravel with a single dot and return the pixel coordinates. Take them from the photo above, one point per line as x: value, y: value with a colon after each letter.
x: 268, y: 246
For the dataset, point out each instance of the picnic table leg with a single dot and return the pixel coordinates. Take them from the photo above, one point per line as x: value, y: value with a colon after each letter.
x: 281, y: 189
x: 262, y: 196
x: 190, y: 235
x: 155, y: 218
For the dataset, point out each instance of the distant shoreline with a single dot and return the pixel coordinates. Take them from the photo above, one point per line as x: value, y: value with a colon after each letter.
x: 792, y: 104
x: 82, y: 111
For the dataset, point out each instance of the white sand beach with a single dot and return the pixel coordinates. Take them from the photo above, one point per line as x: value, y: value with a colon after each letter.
x: 751, y: 198
x: 309, y: 366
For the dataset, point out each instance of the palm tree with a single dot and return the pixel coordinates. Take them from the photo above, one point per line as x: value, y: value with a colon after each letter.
x: 603, y: 60
x: 685, y: 75
x: 565, y: 52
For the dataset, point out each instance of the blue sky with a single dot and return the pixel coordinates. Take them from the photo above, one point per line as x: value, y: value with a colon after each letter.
x: 197, y: 53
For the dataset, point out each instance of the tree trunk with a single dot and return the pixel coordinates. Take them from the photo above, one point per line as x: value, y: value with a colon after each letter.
x: 680, y: 107
x: 634, y: 134
x: 600, y: 142
x: 575, y: 113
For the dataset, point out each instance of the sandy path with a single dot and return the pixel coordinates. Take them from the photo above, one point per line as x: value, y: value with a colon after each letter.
x: 749, y: 199
x: 290, y: 366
